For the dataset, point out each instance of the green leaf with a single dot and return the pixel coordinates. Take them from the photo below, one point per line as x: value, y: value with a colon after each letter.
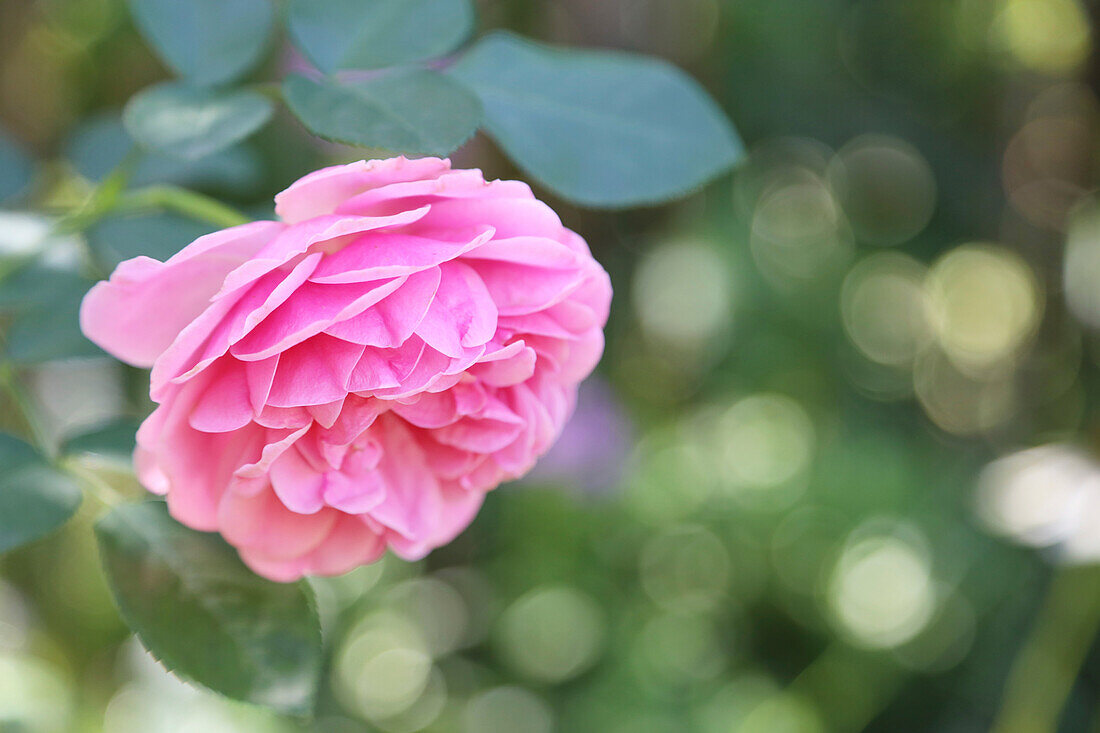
x: 114, y: 440
x: 16, y: 168
x: 602, y: 128
x: 191, y: 123
x: 207, y: 617
x: 207, y: 41
x: 35, y: 498
x: 15, y: 453
x: 46, y: 326
x: 157, y: 235
x: 371, y: 34
x: 101, y: 142
x: 408, y: 111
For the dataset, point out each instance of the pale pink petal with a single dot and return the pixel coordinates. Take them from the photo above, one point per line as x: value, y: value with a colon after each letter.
x: 461, y: 315
x: 314, y: 372
x: 390, y: 322
x: 145, y: 305
x: 321, y: 192
x: 393, y: 254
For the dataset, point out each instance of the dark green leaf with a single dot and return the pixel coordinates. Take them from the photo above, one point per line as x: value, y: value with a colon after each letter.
x: 49, y: 334
x: 208, y: 41
x: 114, y: 440
x: 101, y: 143
x: 158, y: 235
x: 371, y: 34
x: 599, y: 128
x: 198, y: 609
x: 192, y: 123
x: 35, y: 498
x: 15, y: 453
x: 36, y: 284
x: 16, y: 168
x: 46, y: 302
x: 408, y: 111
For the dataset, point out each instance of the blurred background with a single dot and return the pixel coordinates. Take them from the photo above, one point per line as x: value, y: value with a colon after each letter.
x: 839, y: 469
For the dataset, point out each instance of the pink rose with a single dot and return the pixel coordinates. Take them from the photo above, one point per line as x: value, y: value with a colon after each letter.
x: 358, y: 374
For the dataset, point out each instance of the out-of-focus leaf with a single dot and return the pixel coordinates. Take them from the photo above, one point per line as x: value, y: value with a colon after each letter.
x: 101, y: 143
x: 370, y: 34
x: 115, y: 440
x: 35, y: 498
x: 408, y: 111
x: 605, y: 129
x: 207, y: 41
x: 49, y: 334
x: 15, y: 453
x: 36, y: 285
x: 157, y: 235
x: 191, y: 123
x: 46, y: 303
x: 16, y: 168
x: 205, y: 616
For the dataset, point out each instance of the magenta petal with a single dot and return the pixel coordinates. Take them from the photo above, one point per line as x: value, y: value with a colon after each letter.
x: 390, y: 322
x: 224, y: 405
x: 391, y: 254
x: 296, y: 483
x: 461, y: 315
x: 309, y: 311
x: 314, y: 372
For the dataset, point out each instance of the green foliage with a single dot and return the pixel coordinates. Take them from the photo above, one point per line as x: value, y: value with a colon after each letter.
x: 371, y: 34
x: 16, y: 169
x: 101, y: 142
x: 192, y: 123
x: 207, y: 41
x: 44, y: 302
x: 35, y: 498
x: 158, y: 235
x: 114, y: 439
x: 409, y: 110
x: 600, y: 128
x: 205, y: 616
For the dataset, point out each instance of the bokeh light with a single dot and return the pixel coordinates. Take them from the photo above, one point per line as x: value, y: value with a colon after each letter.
x: 985, y: 305
x: 766, y: 444
x: 885, y: 308
x: 683, y: 294
x: 1048, y: 496
x: 552, y: 634
x: 383, y: 667
x: 881, y: 590
x: 34, y: 695
x: 1050, y: 36
x: 685, y: 567
x: 886, y: 188
x: 799, y: 232
x: 508, y: 709
x: 1081, y: 271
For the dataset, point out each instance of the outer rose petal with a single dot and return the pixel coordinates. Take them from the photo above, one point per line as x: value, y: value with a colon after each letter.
x: 141, y: 310
x: 359, y: 375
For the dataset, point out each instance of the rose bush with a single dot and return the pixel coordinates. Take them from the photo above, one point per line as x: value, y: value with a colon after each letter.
x: 358, y: 374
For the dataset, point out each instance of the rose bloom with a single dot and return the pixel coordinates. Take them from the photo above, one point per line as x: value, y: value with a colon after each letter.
x: 358, y: 374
